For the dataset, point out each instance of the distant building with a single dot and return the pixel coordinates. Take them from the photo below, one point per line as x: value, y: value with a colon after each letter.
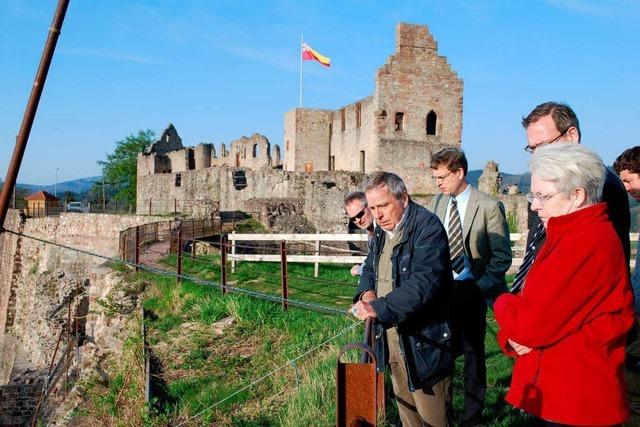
x: 42, y: 204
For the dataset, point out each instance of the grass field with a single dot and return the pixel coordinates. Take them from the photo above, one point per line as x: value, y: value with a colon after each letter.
x: 251, y: 372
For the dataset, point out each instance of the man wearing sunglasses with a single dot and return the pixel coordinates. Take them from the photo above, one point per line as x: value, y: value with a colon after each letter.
x: 355, y: 205
x: 553, y: 122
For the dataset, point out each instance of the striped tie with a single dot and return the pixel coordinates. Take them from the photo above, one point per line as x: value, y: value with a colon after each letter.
x: 455, y: 238
x: 528, y: 259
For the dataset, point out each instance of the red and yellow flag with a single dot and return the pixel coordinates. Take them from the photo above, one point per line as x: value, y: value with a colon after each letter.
x: 309, y: 54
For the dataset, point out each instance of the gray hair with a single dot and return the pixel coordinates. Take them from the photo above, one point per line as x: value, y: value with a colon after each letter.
x: 355, y: 195
x: 393, y: 182
x: 569, y: 166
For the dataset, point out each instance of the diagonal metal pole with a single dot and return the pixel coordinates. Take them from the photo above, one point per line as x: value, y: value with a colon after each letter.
x: 32, y: 107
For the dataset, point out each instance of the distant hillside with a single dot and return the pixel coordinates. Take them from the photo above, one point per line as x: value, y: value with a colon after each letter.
x: 80, y: 185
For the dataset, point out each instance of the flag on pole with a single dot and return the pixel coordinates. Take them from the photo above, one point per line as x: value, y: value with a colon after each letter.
x: 309, y: 54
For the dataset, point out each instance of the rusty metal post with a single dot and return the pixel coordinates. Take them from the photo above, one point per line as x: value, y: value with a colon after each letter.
x: 126, y: 246
x: 223, y: 263
x: 66, y: 372
x: 137, y: 247
x: 179, y: 252
x: 30, y: 111
x: 283, y: 275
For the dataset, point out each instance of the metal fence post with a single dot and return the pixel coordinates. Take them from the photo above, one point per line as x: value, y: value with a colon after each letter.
x: 179, y: 252
x: 126, y: 246
x: 316, y: 265
x: 137, y: 247
x: 223, y: 262
x: 233, y: 252
x: 283, y: 270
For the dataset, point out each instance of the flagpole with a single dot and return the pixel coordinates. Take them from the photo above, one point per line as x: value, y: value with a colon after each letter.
x: 300, y: 54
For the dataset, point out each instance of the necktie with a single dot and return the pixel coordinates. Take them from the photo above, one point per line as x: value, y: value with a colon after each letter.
x: 527, y: 262
x: 456, y: 250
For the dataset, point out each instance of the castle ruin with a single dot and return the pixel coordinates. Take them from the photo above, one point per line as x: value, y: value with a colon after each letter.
x: 415, y: 110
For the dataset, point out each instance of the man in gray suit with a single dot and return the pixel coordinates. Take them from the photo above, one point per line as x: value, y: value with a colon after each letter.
x: 480, y: 251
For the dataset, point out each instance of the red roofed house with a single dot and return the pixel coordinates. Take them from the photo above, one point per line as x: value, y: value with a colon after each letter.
x: 42, y: 204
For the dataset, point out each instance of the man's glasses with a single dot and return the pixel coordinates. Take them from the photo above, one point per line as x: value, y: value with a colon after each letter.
x: 441, y: 178
x: 357, y: 216
x: 529, y: 149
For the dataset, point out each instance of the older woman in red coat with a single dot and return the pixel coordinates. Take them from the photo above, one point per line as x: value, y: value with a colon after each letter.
x: 568, y: 325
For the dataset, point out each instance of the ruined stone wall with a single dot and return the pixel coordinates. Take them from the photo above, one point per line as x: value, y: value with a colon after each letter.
x: 203, y: 154
x: 18, y: 403
x: 416, y: 80
x: 321, y: 192
x: 146, y: 164
x: 40, y: 277
x: 251, y: 152
x: 355, y: 148
x: 289, y: 143
x: 308, y: 132
x: 410, y: 160
x: 178, y: 160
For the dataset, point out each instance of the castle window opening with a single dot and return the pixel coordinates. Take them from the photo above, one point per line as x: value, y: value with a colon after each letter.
x: 244, y: 153
x: 256, y: 150
x: 432, y: 119
x: 343, y: 125
x: 178, y: 180
x: 399, y: 122
x: 358, y: 114
x: 287, y: 145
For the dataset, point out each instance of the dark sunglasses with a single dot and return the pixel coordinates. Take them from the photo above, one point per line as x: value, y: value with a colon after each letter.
x: 357, y: 216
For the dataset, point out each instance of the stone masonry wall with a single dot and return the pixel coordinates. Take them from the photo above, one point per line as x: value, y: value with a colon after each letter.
x: 321, y: 192
x: 308, y: 133
x: 348, y: 145
x: 48, y: 274
x: 18, y: 403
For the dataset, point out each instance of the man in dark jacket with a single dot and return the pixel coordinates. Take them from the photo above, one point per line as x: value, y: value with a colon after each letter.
x: 406, y: 285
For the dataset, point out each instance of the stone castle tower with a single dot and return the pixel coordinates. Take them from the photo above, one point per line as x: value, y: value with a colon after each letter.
x: 416, y: 109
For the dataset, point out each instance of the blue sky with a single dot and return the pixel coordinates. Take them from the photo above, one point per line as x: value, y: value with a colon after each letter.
x: 219, y: 70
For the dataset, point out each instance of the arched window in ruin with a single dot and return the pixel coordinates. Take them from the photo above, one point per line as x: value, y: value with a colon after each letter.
x: 256, y: 150
x: 244, y: 153
x: 432, y: 119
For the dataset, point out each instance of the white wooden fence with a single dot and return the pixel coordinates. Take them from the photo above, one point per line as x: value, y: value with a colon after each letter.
x: 517, y: 246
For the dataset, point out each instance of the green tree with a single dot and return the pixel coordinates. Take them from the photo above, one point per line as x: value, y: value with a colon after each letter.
x: 119, y: 170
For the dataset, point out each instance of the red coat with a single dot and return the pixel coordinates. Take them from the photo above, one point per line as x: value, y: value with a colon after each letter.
x: 574, y: 312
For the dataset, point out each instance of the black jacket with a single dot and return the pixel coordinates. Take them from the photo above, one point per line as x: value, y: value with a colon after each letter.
x: 419, y: 305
